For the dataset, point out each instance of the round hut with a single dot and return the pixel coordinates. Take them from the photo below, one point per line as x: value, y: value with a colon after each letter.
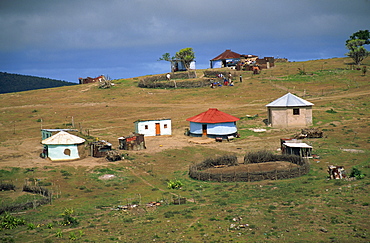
x: 63, y: 146
x: 214, y: 124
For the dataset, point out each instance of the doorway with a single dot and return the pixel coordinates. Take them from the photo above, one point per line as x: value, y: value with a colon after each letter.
x: 204, y: 129
x: 157, y: 129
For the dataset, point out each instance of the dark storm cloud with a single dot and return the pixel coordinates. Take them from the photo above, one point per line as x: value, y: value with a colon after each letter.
x: 126, y: 37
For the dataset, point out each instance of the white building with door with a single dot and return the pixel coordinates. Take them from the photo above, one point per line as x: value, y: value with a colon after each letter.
x: 159, y: 127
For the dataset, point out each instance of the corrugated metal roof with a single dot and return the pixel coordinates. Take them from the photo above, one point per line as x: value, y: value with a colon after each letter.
x: 226, y: 55
x: 297, y: 145
x: 289, y: 100
x: 213, y: 115
x: 63, y: 138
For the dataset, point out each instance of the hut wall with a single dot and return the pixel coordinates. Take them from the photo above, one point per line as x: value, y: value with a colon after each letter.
x: 213, y: 129
x: 284, y: 117
x: 63, y: 152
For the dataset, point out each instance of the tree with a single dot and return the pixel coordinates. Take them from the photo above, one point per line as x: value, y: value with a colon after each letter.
x: 167, y: 57
x: 355, y: 46
x: 186, y: 56
x: 362, y: 35
x: 357, y: 51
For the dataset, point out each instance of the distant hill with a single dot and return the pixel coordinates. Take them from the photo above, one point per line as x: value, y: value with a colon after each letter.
x: 15, y: 83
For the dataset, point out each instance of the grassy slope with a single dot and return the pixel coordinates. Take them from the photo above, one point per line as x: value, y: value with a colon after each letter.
x: 304, y: 209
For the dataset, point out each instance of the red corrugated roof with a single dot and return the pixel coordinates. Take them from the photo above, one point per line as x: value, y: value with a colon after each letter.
x: 213, y: 115
x: 227, y: 55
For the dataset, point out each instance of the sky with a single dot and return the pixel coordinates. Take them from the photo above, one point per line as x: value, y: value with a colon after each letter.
x: 69, y: 39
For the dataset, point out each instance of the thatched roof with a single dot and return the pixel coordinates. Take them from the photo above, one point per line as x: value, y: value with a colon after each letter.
x: 63, y: 138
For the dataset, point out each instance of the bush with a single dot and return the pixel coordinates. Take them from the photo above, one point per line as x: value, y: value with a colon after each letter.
x: 229, y: 160
x: 174, y: 184
x: 357, y: 173
x: 8, y: 221
x: 267, y: 156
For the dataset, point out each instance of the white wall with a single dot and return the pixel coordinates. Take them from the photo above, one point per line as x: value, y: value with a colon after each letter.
x: 56, y: 152
x: 151, y: 126
x: 224, y: 128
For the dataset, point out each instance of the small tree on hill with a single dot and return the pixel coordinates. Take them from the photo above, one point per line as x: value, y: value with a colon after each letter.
x: 167, y: 57
x: 186, y: 56
x: 355, y: 46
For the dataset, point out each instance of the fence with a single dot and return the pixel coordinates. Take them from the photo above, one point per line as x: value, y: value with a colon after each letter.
x: 47, y: 198
x: 189, y: 83
x: 197, y: 172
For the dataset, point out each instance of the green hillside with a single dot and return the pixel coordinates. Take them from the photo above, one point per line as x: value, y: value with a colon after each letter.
x: 16, y: 83
x: 86, y: 207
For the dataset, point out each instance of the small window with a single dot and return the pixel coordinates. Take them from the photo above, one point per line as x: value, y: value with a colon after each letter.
x: 67, y: 152
x: 146, y: 127
x: 165, y: 125
x: 296, y: 111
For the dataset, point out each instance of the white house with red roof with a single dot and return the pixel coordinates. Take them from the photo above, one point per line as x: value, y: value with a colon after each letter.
x: 214, y: 124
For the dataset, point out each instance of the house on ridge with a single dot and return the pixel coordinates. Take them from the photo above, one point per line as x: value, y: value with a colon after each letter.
x: 240, y: 61
x: 229, y: 59
x: 214, y: 124
x: 289, y: 111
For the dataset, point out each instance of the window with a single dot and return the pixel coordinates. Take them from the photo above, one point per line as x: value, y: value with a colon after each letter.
x: 146, y: 127
x: 67, y: 152
x: 296, y: 111
x: 165, y: 125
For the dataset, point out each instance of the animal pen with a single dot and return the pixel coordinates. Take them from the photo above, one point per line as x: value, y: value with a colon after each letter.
x: 299, y: 166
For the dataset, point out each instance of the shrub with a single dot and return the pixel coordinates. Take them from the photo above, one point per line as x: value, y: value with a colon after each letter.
x: 8, y: 221
x: 230, y: 160
x: 68, y: 219
x: 357, y: 173
x: 267, y: 156
x: 331, y: 111
x: 174, y: 184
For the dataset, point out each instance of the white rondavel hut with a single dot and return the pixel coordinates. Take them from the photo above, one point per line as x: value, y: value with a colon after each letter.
x: 289, y: 111
x: 63, y: 146
x: 214, y: 124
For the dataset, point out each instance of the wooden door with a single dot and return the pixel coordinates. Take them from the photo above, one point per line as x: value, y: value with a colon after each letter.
x: 157, y: 129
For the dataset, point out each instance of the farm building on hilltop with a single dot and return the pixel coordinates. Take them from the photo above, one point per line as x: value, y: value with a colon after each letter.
x: 89, y: 80
x: 63, y: 146
x: 289, y: 111
x: 214, y: 124
x: 229, y: 58
x: 240, y: 61
x: 157, y: 127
